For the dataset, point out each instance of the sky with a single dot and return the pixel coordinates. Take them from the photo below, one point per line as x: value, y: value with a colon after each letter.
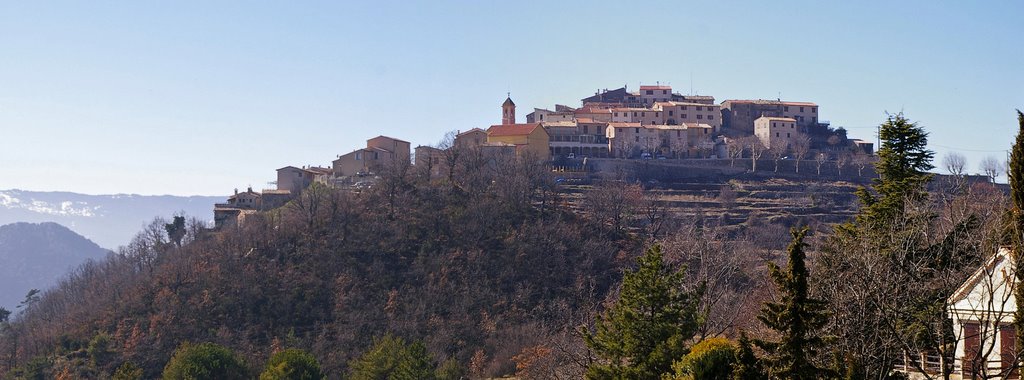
x: 200, y: 98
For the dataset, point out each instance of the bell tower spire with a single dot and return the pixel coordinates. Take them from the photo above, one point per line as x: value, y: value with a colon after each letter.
x: 508, y: 111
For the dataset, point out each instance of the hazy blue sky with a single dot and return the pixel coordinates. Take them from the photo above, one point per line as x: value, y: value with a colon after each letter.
x: 204, y: 97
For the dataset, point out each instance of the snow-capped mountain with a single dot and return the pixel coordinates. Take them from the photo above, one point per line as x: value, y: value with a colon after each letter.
x: 108, y: 220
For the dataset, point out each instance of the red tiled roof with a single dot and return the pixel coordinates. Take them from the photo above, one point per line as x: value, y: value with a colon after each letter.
x: 655, y: 88
x: 392, y: 138
x: 765, y: 101
x: 512, y: 129
x: 472, y: 130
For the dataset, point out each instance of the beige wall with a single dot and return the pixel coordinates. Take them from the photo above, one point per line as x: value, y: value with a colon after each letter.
x: 649, y: 96
x: 293, y: 179
x: 536, y: 143
x: 398, y: 147
x: 774, y: 129
x: 625, y: 140
x: 471, y: 138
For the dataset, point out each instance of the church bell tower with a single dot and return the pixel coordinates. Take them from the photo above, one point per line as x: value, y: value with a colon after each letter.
x: 508, y: 111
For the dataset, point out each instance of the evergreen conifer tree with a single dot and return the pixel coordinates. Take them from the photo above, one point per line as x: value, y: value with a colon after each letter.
x: 797, y: 319
x: 1015, y: 225
x: 646, y: 330
x: 746, y: 366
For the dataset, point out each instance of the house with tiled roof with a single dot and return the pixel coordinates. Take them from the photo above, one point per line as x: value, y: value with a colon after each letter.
x: 739, y: 115
x: 380, y: 151
x: 530, y: 138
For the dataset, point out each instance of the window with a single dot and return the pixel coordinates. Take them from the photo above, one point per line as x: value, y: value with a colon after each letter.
x: 785, y: 109
x: 699, y: 108
x: 776, y: 134
x: 616, y: 114
x: 619, y: 130
x: 650, y: 92
x: 699, y: 116
x: 663, y: 92
x: 634, y: 114
x: 711, y: 117
x: 773, y: 125
x: 657, y: 114
x: 683, y: 115
x: 787, y: 135
x: 684, y: 108
x: 542, y: 116
x: 705, y: 131
x: 636, y: 130
x: 814, y: 109
x: 791, y: 126
x: 586, y: 130
x: 636, y: 139
x: 670, y: 113
x: 801, y: 109
x: 359, y: 156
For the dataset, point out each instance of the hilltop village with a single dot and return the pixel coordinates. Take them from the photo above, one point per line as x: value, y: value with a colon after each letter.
x: 653, y: 123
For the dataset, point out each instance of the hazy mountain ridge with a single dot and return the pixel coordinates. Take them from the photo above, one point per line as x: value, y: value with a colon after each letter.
x: 36, y: 256
x: 108, y: 220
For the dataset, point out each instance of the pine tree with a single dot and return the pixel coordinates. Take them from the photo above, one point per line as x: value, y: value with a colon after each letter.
x: 747, y: 366
x: 1015, y: 225
x: 646, y: 330
x: 797, y: 319
x: 903, y: 164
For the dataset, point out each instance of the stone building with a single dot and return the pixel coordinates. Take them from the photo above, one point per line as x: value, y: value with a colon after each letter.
x: 739, y: 115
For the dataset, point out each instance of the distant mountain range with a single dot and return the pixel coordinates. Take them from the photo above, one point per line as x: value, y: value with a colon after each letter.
x: 36, y: 256
x: 108, y: 220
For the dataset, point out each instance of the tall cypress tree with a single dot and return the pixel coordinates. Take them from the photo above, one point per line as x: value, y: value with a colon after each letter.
x: 797, y: 318
x: 1015, y: 225
x: 647, y: 329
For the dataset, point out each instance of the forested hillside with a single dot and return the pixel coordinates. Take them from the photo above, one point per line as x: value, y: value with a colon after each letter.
x: 36, y: 256
x: 495, y: 270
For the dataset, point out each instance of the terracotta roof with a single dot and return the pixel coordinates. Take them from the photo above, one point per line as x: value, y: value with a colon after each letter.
x: 655, y: 88
x: 665, y: 126
x: 587, y: 120
x: 560, y: 123
x: 512, y: 129
x: 590, y: 109
x: 778, y: 118
x: 674, y: 103
x: 697, y: 125
x: 392, y: 138
x: 768, y: 101
x: 621, y: 124
x: 318, y: 170
x: 471, y: 131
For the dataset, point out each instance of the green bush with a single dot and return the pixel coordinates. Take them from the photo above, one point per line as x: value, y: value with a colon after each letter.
x: 711, y: 359
x: 292, y: 364
x: 392, y: 358
x: 127, y: 371
x: 204, y: 361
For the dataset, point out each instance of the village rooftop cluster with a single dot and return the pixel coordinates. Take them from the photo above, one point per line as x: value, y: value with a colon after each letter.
x: 652, y: 123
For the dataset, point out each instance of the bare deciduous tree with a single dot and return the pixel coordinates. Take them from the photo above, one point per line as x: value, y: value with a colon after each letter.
x: 954, y: 163
x: 756, y: 149
x: 992, y: 167
x: 820, y: 159
x: 777, y: 151
x: 734, y: 148
x: 800, y: 145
